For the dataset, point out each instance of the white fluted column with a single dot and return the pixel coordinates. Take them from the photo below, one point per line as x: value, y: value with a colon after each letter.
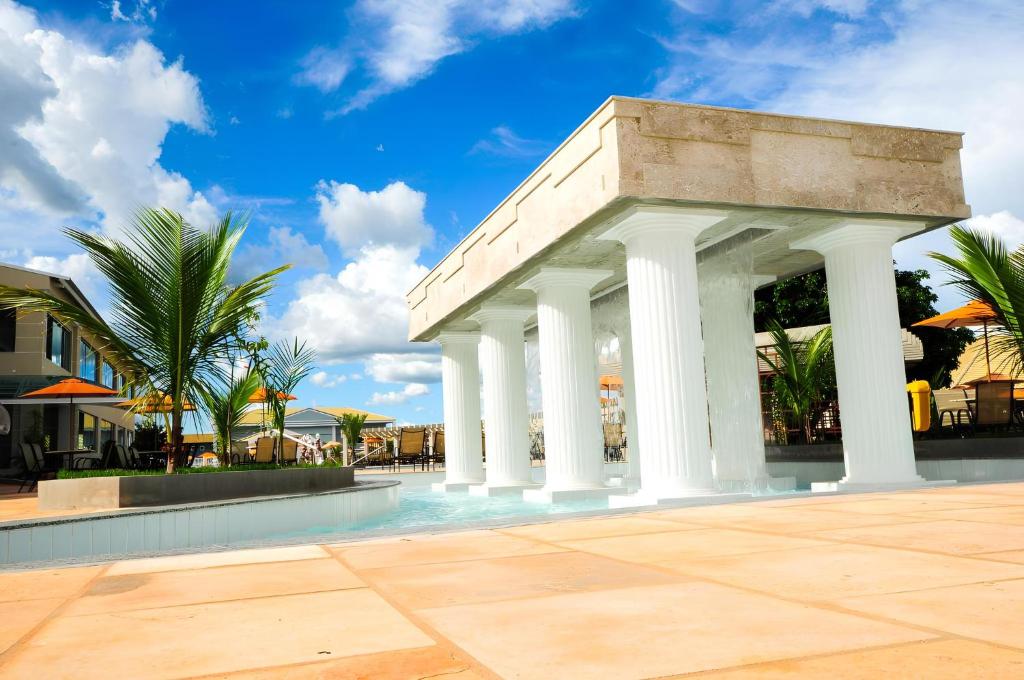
x: 734, y: 388
x: 668, y: 352
x: 574, y: 453
x: 506, y: 420
x: 878, y: 446
x: 460, y: 388
x: 629, y: 392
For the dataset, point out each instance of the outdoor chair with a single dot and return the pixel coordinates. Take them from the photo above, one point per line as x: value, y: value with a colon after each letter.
x: 264, y: 450
x: 240, y: 453
x: 35, y: 466
x: 437, y: 450
x: 289, y: 452
x: 951, y: 405
x: 993, y: 405
x: 412, y: 446
x: 612, y: 442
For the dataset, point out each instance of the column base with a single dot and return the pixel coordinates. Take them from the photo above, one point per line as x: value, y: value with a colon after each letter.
x: 623, y: 481
x: 642, y: 499
x: 843, y: 486
x: 545, y: 495
x: 764, y: 484
x: 488, y: 490
x: 448, y: 487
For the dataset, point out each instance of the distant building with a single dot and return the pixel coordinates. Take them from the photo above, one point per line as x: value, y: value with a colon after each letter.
x: 322, y: 421
x: 36, y: 350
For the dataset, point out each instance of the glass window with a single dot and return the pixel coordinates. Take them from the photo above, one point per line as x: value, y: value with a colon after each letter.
x: 86, y: 431
x: 86, y: 361
x: 108, y: 375
x: 8, y: 329
x: 106, y: 433
x: 57, y: 343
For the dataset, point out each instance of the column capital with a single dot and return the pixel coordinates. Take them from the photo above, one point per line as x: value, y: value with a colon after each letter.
x: 495, y: 312
x: 857, y: 232
x: 565, y: 276
x: 458, y: 337
x: 646, y: 219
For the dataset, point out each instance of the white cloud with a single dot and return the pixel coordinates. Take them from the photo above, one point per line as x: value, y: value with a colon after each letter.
x: 404, y: 368
x: 504, y: 142
x: 399, y: 397
x: 1006, y: 226
x: 142, y: 12
x: 78, y: 267
x: 82, y: 129
x: 324, y: 69
x: 326, y: 380
x: 398, y: 42
x: 358, y: 220
x: 281, y: 246
x: 359, y: 312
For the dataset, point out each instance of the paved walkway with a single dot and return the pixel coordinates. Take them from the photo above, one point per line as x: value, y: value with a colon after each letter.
x: 923, y: 584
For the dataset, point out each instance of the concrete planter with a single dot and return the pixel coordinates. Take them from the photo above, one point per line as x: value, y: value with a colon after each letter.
x: 107, y: 493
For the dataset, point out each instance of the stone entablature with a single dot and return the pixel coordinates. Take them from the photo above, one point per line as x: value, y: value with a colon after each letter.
x: 634, y: 150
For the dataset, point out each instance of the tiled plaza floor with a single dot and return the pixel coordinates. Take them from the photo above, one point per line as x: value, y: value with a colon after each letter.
x: 922, y: 584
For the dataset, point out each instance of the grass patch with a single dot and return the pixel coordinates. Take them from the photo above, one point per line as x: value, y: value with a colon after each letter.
x: 118, y: 472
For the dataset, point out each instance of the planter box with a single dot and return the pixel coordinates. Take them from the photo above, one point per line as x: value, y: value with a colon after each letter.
x: 108, y: 493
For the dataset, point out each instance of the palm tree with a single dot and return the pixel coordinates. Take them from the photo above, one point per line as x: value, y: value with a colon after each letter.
x: 351, y: 426
x: 172, y: 309
x: 225, y: 408
x: 804, y: 374
x: 282, y: 369
x: 985, y: 270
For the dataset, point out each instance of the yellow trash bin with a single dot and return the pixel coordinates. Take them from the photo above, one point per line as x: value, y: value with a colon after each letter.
x: 920, y: 405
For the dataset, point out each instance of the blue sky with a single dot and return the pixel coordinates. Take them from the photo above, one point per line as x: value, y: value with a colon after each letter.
x: 366, y: 138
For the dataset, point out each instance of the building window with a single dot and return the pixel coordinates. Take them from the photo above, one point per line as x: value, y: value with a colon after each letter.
x: 108, y: 375
x: 86, y: 361
x: 58, y: 341
x: 86, y: 431
x: 106, y: 433
x: 8, y: 329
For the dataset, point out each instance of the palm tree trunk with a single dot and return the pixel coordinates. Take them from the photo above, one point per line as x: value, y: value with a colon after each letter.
x: 175, y: 449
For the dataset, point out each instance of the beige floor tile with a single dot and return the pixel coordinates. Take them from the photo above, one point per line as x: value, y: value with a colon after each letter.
x: 1010, y: 515
x: 951, y: 536
x: 842, y: 570
x: 217, y: 559
x: 429, y: 549
x: 650, y: 632
x: 1007, y: 488
x: 18, y: 618
x: 454, y: 583
x: 988, y: 611
x: 789, y: 520
x: 196, y: 586
x: 214, y: 638
x: 688, y: 545
x: 596, y: 528
x: 932, y: 659
x: 1015, y: 556
x: 898, y: 506
x: 411, y: 664
x: 974, y: 496
x: 45, y: 583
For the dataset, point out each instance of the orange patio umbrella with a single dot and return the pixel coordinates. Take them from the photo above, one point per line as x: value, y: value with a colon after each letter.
x: 71, y: 389
x: 260, y: 396
x: 974, y: 313
x: 152, y: 404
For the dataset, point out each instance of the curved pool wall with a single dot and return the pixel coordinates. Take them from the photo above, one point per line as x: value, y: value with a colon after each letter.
x: 188, y: 528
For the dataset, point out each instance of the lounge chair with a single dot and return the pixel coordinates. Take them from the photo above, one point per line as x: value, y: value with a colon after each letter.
x: 412, y: 446
x: 289, y: 452
x: 437, y: 449
x: 951, y: 405
x: 240, y: 453
x: 612, y: 442
x: 264, y: 450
